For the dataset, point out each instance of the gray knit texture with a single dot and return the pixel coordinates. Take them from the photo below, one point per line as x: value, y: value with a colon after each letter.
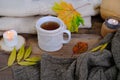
x: 100, y: 65
x: 26, y: 72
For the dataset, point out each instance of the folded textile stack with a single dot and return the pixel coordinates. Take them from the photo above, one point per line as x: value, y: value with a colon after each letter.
x: 22, y: 13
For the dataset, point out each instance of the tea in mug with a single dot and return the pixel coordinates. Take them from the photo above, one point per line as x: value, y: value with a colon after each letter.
x: 50, y: 25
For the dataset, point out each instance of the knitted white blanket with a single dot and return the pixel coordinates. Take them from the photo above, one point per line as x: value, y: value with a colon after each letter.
x: 44, y: 7
x: 27, y: 24
x: 21, y: 13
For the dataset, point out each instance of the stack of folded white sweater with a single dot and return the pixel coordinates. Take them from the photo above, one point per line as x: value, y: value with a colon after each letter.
x: 21, y: 15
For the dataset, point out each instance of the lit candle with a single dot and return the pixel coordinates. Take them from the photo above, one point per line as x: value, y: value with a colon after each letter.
x: 109, y: 26
x: 10, y: 38
x: 113, y: 21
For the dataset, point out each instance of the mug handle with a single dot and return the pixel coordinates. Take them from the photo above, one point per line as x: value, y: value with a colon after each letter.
x: 69, y: 36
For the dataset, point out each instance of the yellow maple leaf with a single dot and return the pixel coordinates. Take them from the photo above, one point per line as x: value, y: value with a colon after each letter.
x: 69, y: 15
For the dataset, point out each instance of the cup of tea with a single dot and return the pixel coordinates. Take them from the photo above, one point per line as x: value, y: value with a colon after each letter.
x: 50, y: 32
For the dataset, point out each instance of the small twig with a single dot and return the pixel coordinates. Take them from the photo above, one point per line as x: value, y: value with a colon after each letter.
x: 82, y: 6
x: 6, y: 67
x: 75, y: 8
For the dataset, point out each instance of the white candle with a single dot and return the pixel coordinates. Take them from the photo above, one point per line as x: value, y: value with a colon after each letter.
x: 113, y: 21
x: 10, y: 38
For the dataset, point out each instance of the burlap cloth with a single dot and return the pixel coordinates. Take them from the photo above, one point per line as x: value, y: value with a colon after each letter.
x: 100, y: 65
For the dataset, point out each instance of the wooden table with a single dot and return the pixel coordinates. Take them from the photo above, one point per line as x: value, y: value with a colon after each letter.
x: 91, y: 36
x: 66, y: 50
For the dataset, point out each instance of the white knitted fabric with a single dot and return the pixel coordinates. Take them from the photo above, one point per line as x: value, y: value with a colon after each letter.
x: 21, y: 25
x: 43, y: 7
x: 27, y: 24
x: 20, y: 13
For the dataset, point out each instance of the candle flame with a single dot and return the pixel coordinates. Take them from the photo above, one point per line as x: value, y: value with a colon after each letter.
x: 9, y: 35
x: 114, y: 21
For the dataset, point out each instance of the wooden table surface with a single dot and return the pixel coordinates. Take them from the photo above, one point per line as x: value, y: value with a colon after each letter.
x: 91, y: 36
x: 66, y: 50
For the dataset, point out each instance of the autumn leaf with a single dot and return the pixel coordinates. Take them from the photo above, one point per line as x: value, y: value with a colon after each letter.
x: 20, y: 53
x: 27, y: 53
x: 12, y: 57
x: 69, y: 15
x: 23, y: 58
x: 24, y: 63
x: 33, y: 59
x: 103, y: 46
x: 100, y: 47
x: 96, y: 48
x: 80, y: 47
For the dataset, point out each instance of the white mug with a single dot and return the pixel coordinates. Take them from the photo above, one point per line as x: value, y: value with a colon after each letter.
x: 51, y: 40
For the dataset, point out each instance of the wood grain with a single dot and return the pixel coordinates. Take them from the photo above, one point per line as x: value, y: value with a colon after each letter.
x: 66, y: 50
x: 91, y: 36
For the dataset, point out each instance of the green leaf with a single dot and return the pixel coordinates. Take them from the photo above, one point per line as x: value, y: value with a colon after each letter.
x: 20, y: 54
x: 28, y: 52
x: 35, y: 59
x: 12, y: 57
x: 81, y: 20
x: 24, y: 63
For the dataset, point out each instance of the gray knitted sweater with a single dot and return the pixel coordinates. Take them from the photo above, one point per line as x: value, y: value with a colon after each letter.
x: 100, y: 65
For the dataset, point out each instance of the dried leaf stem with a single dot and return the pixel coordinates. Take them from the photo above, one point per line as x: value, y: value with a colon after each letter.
x: 6, y: 67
